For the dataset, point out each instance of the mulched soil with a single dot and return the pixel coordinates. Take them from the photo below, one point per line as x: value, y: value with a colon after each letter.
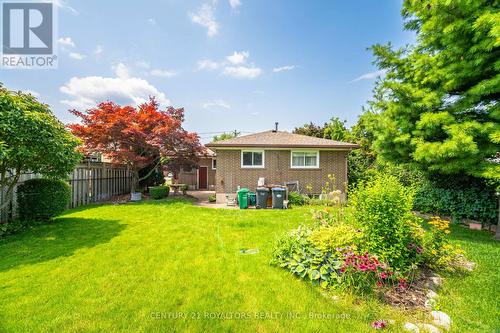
x: 411, y: 298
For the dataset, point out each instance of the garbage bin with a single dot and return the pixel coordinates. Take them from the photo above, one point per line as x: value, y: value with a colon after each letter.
x: 262, y: 194
x: 243, y: 198
x: 278, y: 197
x: 252, y: 199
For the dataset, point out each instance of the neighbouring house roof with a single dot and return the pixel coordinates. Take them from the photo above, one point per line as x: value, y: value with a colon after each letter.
x: 281, y: 139
x: 208, y: 153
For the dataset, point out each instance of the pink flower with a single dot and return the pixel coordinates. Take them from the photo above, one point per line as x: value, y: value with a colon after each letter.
x: 383, y: 275
x: 379, y: 324
x: 379, y: 284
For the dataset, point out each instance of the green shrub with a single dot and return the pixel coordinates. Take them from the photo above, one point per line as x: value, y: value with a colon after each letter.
x: 42, y: 199
x: 212, y: 198
x: 383, y: 208
x: 337, y: 236
x: 297, y: 199
x: 473, y: 203
x: 12, y: 227
x: 159, y: 192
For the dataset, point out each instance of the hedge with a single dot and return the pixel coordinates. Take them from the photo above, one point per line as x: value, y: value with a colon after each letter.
x: 472, y: 203
x: 159, y: 192
x: 42, y: 199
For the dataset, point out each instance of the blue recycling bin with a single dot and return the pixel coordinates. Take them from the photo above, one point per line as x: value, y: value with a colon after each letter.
x: 278, y: 197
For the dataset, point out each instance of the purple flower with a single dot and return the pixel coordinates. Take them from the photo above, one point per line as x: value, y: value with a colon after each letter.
x: 420, y: 250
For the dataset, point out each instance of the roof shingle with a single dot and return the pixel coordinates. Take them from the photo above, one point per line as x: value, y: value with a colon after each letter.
x: 281, y: 139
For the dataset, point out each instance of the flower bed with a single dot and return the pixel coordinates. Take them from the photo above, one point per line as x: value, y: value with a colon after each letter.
x: 374, y: 245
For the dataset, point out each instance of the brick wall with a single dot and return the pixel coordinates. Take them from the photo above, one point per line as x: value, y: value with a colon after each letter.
x: 277, y: 170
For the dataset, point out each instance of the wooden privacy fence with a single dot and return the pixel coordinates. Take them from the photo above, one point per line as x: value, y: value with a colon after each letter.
x: 90, y: 182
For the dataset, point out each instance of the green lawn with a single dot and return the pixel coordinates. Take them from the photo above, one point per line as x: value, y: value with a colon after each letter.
x: 169, y: 266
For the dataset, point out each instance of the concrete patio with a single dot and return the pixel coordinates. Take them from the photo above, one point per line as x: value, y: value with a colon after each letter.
x: 202, y: 200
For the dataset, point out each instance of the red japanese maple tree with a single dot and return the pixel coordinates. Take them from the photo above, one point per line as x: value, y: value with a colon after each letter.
x: 138, y: 136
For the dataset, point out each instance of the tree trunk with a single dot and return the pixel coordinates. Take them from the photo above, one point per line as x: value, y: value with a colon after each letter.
x: 135, y: 181
x: 497, y: 234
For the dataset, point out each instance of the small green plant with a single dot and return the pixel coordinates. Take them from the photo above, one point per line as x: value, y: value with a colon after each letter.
x: 159, y: 192
x: 12, y: 227
x: 439, y: 253
x: 212, y: 198
x: 296, y: 252
x: 42, y: 199
x: 184, y: 189
x: 297, y: 199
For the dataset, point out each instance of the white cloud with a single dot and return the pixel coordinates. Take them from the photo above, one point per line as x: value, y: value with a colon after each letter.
x: 205, y: 17
x: 151, y: 21
x: 77, y: 56
x: 242, y: 72
x: 98, y: 49
x: 63, y: 4
x: 235, y: 65
x: 143, y: 64
x: 370, y: 76
x: 283, y: 68
x: 87, y: 92
x: 66, y: 42
x: 121, y: 70
x: 162, y: 73
x: 234, y: 3
x: 207, y: 64
x: 216, y: 104
x: 238, y: 58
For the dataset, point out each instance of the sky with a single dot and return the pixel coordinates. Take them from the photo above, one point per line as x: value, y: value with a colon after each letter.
x: 231, y: 64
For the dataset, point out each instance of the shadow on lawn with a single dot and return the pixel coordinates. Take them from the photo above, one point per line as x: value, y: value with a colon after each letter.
x: 60, y: 238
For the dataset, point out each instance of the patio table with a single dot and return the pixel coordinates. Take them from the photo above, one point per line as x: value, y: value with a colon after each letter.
x: 176, y: 187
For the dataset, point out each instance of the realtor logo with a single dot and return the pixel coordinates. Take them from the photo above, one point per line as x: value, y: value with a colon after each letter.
x: 28, y: 35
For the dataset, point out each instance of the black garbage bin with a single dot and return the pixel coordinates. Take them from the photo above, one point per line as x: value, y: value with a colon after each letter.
x: 278, y: 197
x: 262, y: 195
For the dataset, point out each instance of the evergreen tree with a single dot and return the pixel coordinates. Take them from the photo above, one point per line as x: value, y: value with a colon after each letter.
x: 438, y: 106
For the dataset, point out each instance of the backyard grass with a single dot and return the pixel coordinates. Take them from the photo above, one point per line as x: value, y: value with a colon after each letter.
x: 168, y: 266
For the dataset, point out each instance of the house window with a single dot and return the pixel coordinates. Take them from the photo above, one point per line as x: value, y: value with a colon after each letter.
x: 305, y: 159
x: 214, y: 164
x: 252, y: 159
x: 188, y: 170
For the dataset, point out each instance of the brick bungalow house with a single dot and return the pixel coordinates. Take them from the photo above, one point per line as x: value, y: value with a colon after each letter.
x: 278, y: 157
